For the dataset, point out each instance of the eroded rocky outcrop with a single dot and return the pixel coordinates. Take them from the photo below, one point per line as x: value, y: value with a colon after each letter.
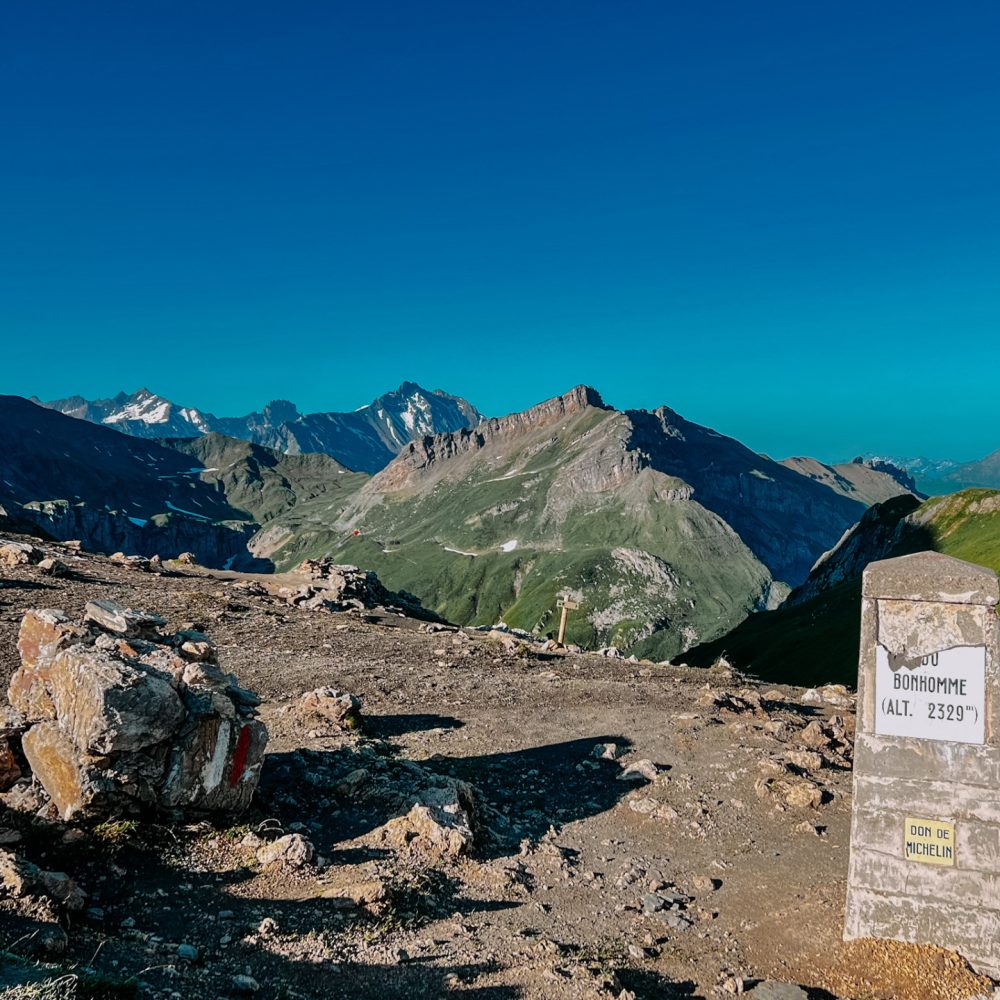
x: 111, y: 531
x: 120, y: 715
x: 339, y: 587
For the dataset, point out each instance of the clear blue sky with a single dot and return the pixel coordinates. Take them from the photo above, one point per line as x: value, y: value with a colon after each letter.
x: 782, y: 219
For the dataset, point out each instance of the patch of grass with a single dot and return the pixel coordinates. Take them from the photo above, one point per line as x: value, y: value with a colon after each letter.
x: 35, y: 981
x: 234, y: 834
x: 603, y: 961
x: 63, y: 988
x: 415, y: 896
x: 966, y: 525
x: 116, y: 832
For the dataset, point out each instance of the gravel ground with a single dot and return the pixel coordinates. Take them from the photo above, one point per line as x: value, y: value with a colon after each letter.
x: 558, y: 897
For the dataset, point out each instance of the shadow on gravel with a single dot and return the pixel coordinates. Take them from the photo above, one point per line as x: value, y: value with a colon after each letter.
x: 13, y: 584
x: 524, y: 793
x: 303, y: 946
x: 649, y: 985
x: 386, y: 726
x: 541, y: 787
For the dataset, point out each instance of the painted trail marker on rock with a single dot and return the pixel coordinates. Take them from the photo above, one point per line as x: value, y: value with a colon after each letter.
x: 925, y: 833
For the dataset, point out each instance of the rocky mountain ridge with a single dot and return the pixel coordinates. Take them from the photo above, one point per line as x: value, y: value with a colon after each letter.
x: 364, y: 440
x: 938, y: 477
x: 665, y: 530
x: 947, y: 477
x: 668, y: 532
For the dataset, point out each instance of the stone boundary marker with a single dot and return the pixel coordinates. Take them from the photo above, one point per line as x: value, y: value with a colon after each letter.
x: 925, y: 835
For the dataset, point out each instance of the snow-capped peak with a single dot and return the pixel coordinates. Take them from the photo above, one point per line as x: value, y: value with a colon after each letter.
x: 144, y: 407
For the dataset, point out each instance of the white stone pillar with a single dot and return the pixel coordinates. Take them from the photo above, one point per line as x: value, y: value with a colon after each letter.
x: 925, y: 834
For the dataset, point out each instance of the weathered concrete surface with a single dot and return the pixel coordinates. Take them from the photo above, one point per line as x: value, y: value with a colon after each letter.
x: 918, y: 628
x: 971, y: 931
x: 931, y: 576
x: 896, y: 757
x: 913, y: 607
x: 978, y: 844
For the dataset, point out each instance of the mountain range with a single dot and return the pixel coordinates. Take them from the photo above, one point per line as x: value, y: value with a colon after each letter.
x: 668, y: 534
x: 935, y: 477
x: 364, y: 440
x: 664, y: 531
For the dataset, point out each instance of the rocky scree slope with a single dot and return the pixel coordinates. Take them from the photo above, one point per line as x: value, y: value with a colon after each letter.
x: 668, y: 533
x: 814, y: 636
x: 365, y: 440
x: 73, y: 480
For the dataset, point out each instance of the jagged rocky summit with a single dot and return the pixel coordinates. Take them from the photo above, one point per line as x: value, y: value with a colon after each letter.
x: 364, y: 440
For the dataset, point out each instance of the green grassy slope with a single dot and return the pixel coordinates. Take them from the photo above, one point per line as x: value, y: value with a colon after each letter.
x: 965, y: 525
x: 559, y: 509
x: 818, y: 640
x: 265, y: 483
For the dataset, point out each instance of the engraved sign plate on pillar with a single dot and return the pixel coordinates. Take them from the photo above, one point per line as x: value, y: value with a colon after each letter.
x: 936, y: 697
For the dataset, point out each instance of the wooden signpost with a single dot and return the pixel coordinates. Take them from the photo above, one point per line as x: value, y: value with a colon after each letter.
x: 925, y: 838
x: 567, y: 606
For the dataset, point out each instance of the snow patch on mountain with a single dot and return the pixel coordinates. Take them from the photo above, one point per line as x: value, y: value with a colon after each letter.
x: 157, y: 415
x: 365, y: 440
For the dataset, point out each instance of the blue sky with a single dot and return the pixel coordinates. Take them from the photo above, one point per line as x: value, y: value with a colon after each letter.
x: 781, y: 219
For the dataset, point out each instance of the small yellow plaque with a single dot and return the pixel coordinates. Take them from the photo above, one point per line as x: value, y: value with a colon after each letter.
x: 929, y: 840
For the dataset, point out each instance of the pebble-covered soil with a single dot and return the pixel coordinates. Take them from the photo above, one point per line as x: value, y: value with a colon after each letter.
x: 641, y: 830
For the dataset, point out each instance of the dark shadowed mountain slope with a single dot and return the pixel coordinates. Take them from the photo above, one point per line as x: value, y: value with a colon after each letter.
x: 112, y: 491
x: 262, y: 482
x: 786, y: 518
x: 814, y: 635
